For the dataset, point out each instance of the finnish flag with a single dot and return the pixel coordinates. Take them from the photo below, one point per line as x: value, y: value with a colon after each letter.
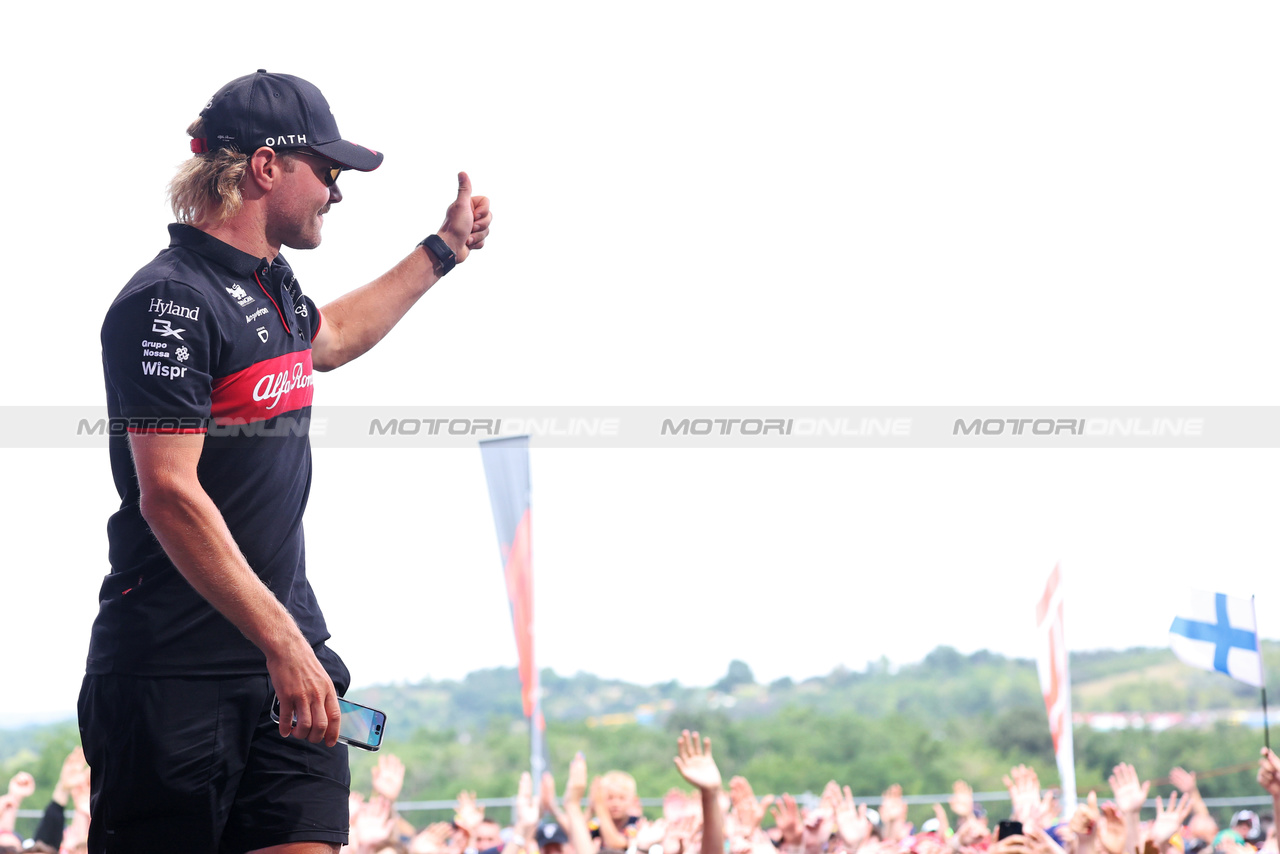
x: 1219, y: 632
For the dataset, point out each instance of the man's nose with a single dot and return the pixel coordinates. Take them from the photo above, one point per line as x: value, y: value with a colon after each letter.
x: 335, y: 195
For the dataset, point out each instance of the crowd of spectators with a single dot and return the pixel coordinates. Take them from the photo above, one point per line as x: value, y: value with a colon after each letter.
x: 718, y: 820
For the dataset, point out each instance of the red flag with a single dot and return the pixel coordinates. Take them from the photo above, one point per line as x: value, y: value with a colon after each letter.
x: 506, y: 469
x: 1055, y: 684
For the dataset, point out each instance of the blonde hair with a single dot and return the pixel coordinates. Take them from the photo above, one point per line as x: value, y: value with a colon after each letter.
x: 619, y: 780
x: 207, y: 187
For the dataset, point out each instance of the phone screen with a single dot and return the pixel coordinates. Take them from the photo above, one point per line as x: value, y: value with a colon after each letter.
x: 360, y: 726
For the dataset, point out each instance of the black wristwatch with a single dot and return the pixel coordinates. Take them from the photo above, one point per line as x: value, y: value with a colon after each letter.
x: 437, y: 247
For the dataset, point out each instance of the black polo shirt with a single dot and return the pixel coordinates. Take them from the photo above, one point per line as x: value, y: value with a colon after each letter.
x: 207, y: 339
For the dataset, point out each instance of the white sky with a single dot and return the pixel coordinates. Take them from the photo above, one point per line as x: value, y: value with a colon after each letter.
x: 701, y: 204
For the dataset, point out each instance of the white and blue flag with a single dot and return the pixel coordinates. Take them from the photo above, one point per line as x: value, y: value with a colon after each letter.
x: 1219, y: 632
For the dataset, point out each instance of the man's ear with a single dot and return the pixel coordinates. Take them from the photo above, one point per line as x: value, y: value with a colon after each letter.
x: 265, y: 167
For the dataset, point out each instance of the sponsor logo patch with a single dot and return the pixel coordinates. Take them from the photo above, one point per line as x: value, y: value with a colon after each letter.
x: 240, y: 295
x: 287, y: 139
x: 165, y: 327
x: 272, y: 386
x: 262, y: 334
x: 160, y: 369
x: 165, y: 306
x: 250, y: 318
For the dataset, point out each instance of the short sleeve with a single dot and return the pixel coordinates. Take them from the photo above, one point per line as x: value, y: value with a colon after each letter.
x: 158, y: 353
x: 309, y: 313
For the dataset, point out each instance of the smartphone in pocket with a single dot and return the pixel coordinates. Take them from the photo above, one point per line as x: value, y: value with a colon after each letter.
x: 362, y: 726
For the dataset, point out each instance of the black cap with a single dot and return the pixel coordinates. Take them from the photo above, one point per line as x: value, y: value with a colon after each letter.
x: 551, y: 833
x: 282, y: 112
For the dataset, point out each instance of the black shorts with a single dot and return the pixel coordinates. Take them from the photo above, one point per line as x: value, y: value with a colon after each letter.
x: 197, y: 765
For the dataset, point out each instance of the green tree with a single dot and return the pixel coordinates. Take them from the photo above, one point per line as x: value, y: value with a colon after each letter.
x: 739, y: 674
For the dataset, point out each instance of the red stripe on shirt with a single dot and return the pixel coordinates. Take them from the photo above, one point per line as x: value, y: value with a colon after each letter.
x: 264, y: 390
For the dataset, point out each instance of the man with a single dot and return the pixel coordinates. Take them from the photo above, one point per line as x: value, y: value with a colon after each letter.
x: 207, y: 614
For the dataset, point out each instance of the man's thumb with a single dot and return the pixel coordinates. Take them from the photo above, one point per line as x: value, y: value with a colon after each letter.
x: 464, y: 186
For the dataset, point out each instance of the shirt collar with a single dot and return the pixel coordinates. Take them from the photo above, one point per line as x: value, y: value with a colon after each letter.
x: 206, y: 245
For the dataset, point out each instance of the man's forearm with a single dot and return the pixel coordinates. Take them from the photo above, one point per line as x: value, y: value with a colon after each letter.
x: 355, y: 321
x: 194, y: 535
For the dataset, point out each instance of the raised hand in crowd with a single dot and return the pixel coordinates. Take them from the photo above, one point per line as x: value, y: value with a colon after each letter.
x: 830, y: 800
x: 373, y: 827
x: 819, y: 824
x: 1113, y: 829
x: 432, y: 839
x: 74, y: 772
x: 468, y: 814
x: 1186, y: 782
x: 683, y: 835
x: 524, y: 815
x: 575, y: 788
x: 852, y: 823
x: 893, y: 814
x: 972, y: 833
x: 1083, y: 826
x: 944, y: 823
x: 746, y: 812
x: 649, y: 833
x: 961, y: 799
x: 1024, y: 794
x: 1269, y: 776
x: 548, y: 801
x: 786, y: 815
x: 1130, y: 794
x: 21, y: 786
x: 694, y: 762
x: 1168, y: 822
x: 388, y: 777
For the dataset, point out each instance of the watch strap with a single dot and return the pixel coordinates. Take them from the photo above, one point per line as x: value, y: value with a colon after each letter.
x: 434, y: 244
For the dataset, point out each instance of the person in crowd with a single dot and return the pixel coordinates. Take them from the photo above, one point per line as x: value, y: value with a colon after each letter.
x: 614, y: 802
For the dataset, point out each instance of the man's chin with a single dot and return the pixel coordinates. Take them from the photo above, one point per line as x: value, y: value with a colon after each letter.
x: 308, y: 242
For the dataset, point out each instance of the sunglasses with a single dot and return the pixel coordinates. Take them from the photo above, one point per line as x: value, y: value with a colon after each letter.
x: 329, y: 175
